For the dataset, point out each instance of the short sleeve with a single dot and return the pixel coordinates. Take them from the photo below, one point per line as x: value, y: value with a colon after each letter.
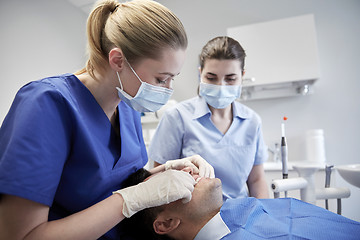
x: 262, y: 149
x: 167, y: 141
x: 34, y: 143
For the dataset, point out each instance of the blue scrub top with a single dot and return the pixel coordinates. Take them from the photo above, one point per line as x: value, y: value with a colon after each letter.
x: 187, y: 129
x: 58, y: 148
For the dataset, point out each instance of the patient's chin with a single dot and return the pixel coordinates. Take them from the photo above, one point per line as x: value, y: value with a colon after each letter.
x: 215, y: 191
x: 219, y: 193
x: 216, y: 184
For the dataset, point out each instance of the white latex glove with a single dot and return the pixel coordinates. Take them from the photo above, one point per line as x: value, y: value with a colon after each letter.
x: 196, y: 162
x: 160, y: 189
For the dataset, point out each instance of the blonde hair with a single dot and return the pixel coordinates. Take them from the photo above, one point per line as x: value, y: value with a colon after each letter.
x: 140, y: 28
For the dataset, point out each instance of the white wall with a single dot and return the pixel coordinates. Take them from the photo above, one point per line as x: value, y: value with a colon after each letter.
x: 335, y: 105
x: 39, y: 38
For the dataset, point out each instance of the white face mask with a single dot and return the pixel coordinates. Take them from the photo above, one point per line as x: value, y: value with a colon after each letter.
x: 149, y: 98
x: 219, y: 96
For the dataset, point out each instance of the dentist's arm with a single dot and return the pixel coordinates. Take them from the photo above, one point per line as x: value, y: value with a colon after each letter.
x: 256, y: 182
x: 24, y: 219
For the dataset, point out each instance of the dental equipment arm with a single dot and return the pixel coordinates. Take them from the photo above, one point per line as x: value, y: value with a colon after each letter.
x: 327, y: 182
x: 281, y: 185
x: 284, y: 153
x: 284, y: 156
x: 161, y: 189
x: 306, y: 184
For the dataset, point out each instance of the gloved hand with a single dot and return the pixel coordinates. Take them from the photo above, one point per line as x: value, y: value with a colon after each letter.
x: 160, y: 189
x: 196, y: 162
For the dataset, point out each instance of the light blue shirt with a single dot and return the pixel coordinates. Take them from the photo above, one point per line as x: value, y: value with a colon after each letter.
x: 187, y: 129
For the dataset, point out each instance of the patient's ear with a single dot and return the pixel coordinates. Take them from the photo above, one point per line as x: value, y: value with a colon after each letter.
x: 164, y: 225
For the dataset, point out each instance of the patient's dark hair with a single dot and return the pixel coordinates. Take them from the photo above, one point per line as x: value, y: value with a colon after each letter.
x: 140, y: 225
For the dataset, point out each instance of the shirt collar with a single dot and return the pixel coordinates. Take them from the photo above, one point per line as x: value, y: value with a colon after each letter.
x: 214, y: 229
x: 240, y: 110
x: 202, y: 109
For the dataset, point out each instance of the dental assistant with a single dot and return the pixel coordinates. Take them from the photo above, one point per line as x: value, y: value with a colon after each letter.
x: 69, y: 141
x: 223, y: 131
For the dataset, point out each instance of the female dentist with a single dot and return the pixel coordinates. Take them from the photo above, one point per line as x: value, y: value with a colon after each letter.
x: 69, y: 141
x: 215, y: 126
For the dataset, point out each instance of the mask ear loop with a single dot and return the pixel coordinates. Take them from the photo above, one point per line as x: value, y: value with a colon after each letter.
x: 133, y: 71
x: 121, y: 86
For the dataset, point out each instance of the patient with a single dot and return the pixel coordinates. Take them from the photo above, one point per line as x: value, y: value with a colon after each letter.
x: 206, y: 217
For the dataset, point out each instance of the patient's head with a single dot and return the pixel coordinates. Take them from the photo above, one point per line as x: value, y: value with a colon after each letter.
x: 177, y: 220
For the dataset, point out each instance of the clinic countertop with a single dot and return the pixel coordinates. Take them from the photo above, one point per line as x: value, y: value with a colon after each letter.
x: 277, y: 166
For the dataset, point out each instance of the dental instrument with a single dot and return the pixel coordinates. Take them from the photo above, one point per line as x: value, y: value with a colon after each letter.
x: 339, y: 206
x: 327, y: 182
x: 327, y: 185
x: 284, y: 152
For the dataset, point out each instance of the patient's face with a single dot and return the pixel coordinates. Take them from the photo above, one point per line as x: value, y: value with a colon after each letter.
x: 206, y: 198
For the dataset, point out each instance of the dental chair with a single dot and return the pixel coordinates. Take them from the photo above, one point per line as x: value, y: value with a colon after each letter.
x: 306, y: 184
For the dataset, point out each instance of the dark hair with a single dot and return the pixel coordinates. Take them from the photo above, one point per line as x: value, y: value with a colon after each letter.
x: 140, y: 225
x: 223, y: 48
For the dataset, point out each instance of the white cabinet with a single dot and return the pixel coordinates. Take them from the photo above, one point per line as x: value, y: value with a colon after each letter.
x: 282, y: 56
x: 149, y: 123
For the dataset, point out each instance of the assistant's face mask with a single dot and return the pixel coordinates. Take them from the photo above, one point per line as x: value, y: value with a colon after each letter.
x: 149, y: 98
x: 219, y: 96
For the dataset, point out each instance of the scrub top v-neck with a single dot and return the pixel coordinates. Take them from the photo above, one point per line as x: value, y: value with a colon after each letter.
x: 187, y: 129
x: 58, y: 148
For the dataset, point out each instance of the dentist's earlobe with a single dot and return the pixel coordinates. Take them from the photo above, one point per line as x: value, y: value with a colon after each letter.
x: 116, y: 59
